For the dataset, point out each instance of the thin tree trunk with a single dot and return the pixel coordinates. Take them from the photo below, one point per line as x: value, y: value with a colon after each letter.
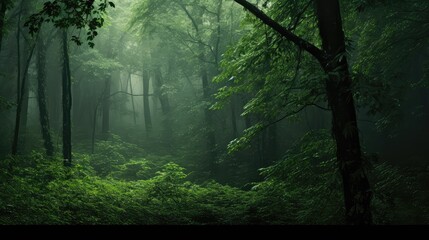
x: 41, y: 97
x: 25, y: 97
x: 18, y: 54
x: 233, y: 119
x: 3, y: 8
x: 218, y: 32
x: 211, y: 139
x: 77, y: 104
x: 165, y: 105
x: 105, y: 126
x: 270, y: 145
x: 67, y: 103
x: 357, y: 192
x: 21, y: 87
x: 163, y: 98
x: 147, y: 116
x: 132, y: 98
x: 19, y: 105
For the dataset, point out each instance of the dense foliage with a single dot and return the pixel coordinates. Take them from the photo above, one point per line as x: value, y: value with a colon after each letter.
x: 202, y: 112
x: 153, y: 190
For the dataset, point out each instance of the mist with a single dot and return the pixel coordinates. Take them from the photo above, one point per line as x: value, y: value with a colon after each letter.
x: 214, y: 112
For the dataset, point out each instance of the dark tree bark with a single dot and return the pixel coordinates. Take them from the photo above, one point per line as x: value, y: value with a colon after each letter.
x: 25, y: 96
x: 67, y: 102
x: 41, y: 97
x: 270, y: 147
x: 21, y: 88
x: 147, y: 116
x: 18, y: 90
x: 105, y: 125
x: 357, y: 192
x: 3, y: 8
x: 19, y: 106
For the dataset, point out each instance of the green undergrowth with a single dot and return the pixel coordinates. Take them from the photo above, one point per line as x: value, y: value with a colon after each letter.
x: 121, y: 184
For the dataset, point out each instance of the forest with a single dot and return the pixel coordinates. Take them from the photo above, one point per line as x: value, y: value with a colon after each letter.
x: 214, y: 112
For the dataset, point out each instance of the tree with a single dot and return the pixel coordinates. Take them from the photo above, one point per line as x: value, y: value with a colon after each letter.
x: 22, y: 85
x: 41, y: 96
x: 4, y: 6
x: 159, y: 91
x: 65, y: 14
x: 333, y: 60
x: 66, y: 101
x: 200, y: 36
x: 147, y: 116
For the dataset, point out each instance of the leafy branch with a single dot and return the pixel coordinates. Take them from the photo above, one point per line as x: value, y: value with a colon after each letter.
x: 81, y: 14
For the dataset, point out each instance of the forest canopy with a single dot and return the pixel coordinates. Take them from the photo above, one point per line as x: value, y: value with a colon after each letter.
x: 214, y: 112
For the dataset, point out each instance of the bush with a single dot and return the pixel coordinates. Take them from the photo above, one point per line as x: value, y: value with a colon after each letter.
x: 40, y: 190
x: 112, y: 153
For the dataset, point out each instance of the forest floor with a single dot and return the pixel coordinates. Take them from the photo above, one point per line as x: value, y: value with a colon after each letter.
x: 123, y: 184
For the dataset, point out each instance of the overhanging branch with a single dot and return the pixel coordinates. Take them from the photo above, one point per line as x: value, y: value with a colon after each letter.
x: 300, y: 42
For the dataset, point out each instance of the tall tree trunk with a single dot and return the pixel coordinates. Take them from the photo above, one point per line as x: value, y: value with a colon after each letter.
x: 163, y: 98
x: 105, y: 126
x: 147, y: 116
x: 21, y: 88
x: 357, y: 192
x: 165, y: 104
x: 18, y: 89
x: 234, y: 118
x: 3, y: 8
x: 25, y: 96
x: 218, y: 33
x: 78, y: 107
x: 20, y: 103
x: 211, y: 139
x: 132, y: 98
x: 41, y: 97
x: 67, y: 102
x: 270, y: 150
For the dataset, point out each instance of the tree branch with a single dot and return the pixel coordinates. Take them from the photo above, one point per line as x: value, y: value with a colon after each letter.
x: 126, y: 93
x: 300, y: 42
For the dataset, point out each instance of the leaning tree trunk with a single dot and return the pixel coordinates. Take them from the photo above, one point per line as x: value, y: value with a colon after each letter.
x: 41, y: 97
x: 357, y: 192
x: 67, y: 103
